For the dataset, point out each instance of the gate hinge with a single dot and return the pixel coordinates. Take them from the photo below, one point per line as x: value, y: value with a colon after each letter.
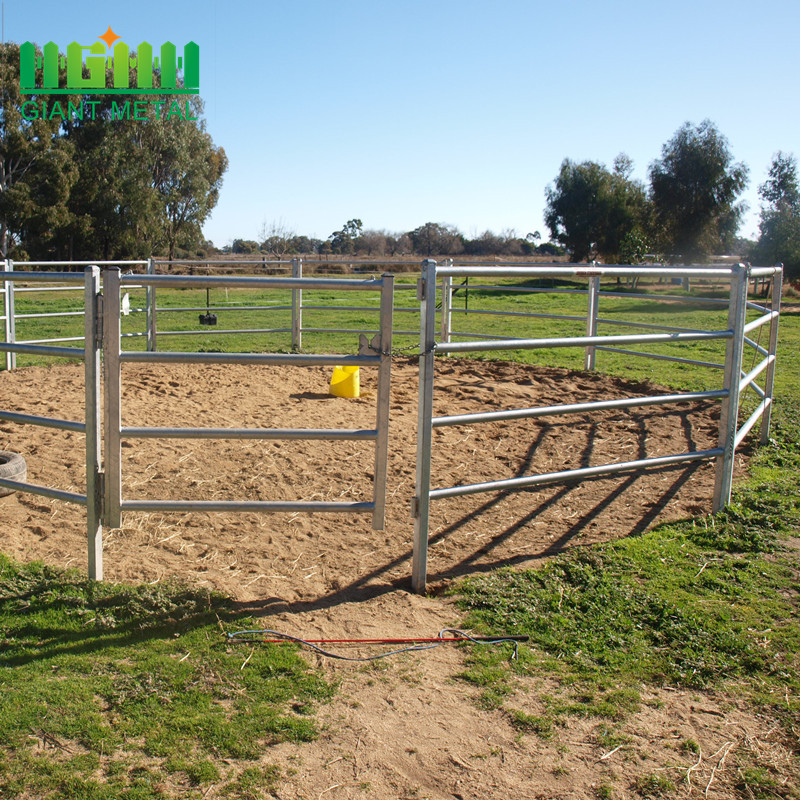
x: 420, y: 289
x: 414, y: 507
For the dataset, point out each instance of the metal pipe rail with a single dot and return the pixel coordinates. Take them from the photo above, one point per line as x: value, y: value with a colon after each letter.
x: 248, y: 282
x: 601, y: 471
x: 44, y: 491
x: 661, y: 357
x: 212, y: 331
x: 38, y: 289
x: 577, y: 318
x: 581, y: 271
x: 579, y: 341
x: 274, y: 359
x: 42, y: 350
x: 44, y: 422
x: 763, y: 407
x: 755, y: 372
x: 257, y: 506
x: 249, y: 433
x: 168, y: 309
x: 576, y: 408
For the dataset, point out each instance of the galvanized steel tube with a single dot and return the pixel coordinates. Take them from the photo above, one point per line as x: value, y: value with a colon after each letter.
x: 580, y: 341
x: 276, y: 359
x: 574, y: 474
x: 248, y: 433
x: 258, y: 506
x: 44, y: 422
x: 576, y: 408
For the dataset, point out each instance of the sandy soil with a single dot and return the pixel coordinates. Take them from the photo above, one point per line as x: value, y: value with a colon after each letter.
x: 405, y: 727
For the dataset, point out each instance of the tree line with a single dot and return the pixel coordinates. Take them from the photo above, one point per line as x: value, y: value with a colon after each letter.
x: 78, y: 182
x: 431, y: 239
x: 688, y: 211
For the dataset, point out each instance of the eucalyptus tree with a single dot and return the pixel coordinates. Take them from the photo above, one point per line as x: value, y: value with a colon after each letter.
x: 693, y: 188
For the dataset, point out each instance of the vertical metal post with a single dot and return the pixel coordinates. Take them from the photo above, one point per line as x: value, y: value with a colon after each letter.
x: 151, y: 309
x: 769, y: 381
x: 6, y: 315
x: 297, y: 306
x: 593, y: 294
x: 112, y: 398
x: 729, y: 413
x: 384, y: 398
x: 447, y: 306
x: 94, y: 489
x: 426, y: 294
x: 10, y: 321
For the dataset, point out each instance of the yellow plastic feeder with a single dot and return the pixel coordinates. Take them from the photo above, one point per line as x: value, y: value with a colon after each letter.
x: 345, y: 382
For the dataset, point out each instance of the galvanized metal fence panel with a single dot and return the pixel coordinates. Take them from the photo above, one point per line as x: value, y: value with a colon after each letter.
x: 735, y: 380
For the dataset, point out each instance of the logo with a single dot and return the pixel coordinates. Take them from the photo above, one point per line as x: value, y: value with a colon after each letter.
x: 40, y: 74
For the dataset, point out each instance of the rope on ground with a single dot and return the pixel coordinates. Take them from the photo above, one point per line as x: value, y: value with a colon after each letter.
x: 414, y: 644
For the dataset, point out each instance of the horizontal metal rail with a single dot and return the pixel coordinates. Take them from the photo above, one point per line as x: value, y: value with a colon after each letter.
x: 170, y: 309
x: 43, y: 277
x: 756, y: 346
x: 44, y: 422
x: 258, y: 506
x: 757, y: 323
x: 603, y: 293
x: 212, y: 330
x: 578, y: 318
x: 50, y: 314
x: 671, y: 297
x: 581, y: 271
x: 255, y: 282
x: 357, y: 330
x: 44, y: 491
x: 414, y: 310
x: 472, y: 287
x: 577, y: 408
x: 248, y: 433
x: 754, y: 417
x: 659, y: 357
x: 275, y: 359
x: 763, y: 272
x: 756, y: 307
x: 649, y: 326
x: 579, y: 341
x: 38, y: 289
x: 79, y: 264
x: 574, y: 474
x: 42, y: 350
x: 538, y: 315
x: 754, y: 373
x: 50, y: 341
x: 221, y: 262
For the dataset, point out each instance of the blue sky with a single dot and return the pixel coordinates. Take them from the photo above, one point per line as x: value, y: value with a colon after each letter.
x: 458, y: 112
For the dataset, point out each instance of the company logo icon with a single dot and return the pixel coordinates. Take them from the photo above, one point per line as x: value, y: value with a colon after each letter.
x: 40, y: 74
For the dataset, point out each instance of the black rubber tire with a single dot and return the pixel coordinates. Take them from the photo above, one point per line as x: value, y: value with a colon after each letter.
x: 13, y: 467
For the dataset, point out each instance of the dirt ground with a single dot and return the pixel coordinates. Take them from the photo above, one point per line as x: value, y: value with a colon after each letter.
x: 404, y: 727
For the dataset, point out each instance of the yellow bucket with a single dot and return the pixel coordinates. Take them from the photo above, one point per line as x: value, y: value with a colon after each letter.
x: 345, y: 382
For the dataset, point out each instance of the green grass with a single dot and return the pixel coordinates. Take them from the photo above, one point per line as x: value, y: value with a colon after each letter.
x: 114, y: 691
